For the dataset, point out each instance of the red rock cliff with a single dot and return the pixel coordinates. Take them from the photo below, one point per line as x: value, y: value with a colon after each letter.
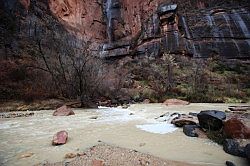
x: 198, y: 28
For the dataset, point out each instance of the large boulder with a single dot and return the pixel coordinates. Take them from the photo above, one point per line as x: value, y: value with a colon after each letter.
x: 189, y: 130
x: 184, y: 120
x: 175, y: 102
x: 63, y: 111
x: 232, y: 147
x: 60, y: 138
x: 235, y: 128
x: 211, y: 119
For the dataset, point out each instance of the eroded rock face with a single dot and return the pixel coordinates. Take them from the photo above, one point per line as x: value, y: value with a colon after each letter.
x: 84, y: 16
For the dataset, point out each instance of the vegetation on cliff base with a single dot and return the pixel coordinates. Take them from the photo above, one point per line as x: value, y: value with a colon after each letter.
x: 195, y: 80
x: 127, y: 79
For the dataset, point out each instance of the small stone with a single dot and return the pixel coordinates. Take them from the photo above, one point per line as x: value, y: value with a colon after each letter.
x: 60, y: 138
x: 229, y: 163
x: 80, y: 154
x: 146, y: 101
x: 142, y: 144
x: 125, y: 106
x: 26, y: 155
x: 97, y: 163
x: 70, y: 155
x: 94, y: 117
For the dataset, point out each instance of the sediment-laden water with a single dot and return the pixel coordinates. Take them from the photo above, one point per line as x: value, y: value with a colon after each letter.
x: 135, y: 128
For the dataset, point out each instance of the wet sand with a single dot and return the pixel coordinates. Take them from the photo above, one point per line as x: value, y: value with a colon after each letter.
x: 114, y: 126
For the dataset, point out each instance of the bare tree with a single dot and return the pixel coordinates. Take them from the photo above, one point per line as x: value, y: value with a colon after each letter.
x: 76, y: 73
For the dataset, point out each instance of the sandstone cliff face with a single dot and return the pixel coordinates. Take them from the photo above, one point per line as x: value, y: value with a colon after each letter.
x: 199, y: 28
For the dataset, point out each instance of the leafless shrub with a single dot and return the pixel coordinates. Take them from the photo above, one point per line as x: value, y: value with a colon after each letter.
x: 75, y: 73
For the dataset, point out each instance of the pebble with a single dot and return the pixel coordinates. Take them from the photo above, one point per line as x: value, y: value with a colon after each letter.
x: 26, y: 155
x: 70, y: 155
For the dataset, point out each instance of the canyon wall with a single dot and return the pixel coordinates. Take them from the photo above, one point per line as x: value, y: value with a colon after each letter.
x: 197, y: 28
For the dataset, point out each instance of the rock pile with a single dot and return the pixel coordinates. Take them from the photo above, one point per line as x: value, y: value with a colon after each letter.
x: 228, y: 131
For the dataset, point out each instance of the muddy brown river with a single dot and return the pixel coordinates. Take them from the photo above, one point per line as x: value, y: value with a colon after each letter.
x: 134, y: 128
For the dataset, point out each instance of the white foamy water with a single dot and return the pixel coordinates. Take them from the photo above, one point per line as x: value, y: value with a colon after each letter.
x: 158, y: 128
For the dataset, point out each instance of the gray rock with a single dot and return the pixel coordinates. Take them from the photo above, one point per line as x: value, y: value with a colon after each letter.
x: 232, y: 147
x: 189, y: 130
x: 229, y: 163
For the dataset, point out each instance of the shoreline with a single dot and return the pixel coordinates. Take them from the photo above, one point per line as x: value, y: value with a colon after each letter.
x: 51, y: 104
